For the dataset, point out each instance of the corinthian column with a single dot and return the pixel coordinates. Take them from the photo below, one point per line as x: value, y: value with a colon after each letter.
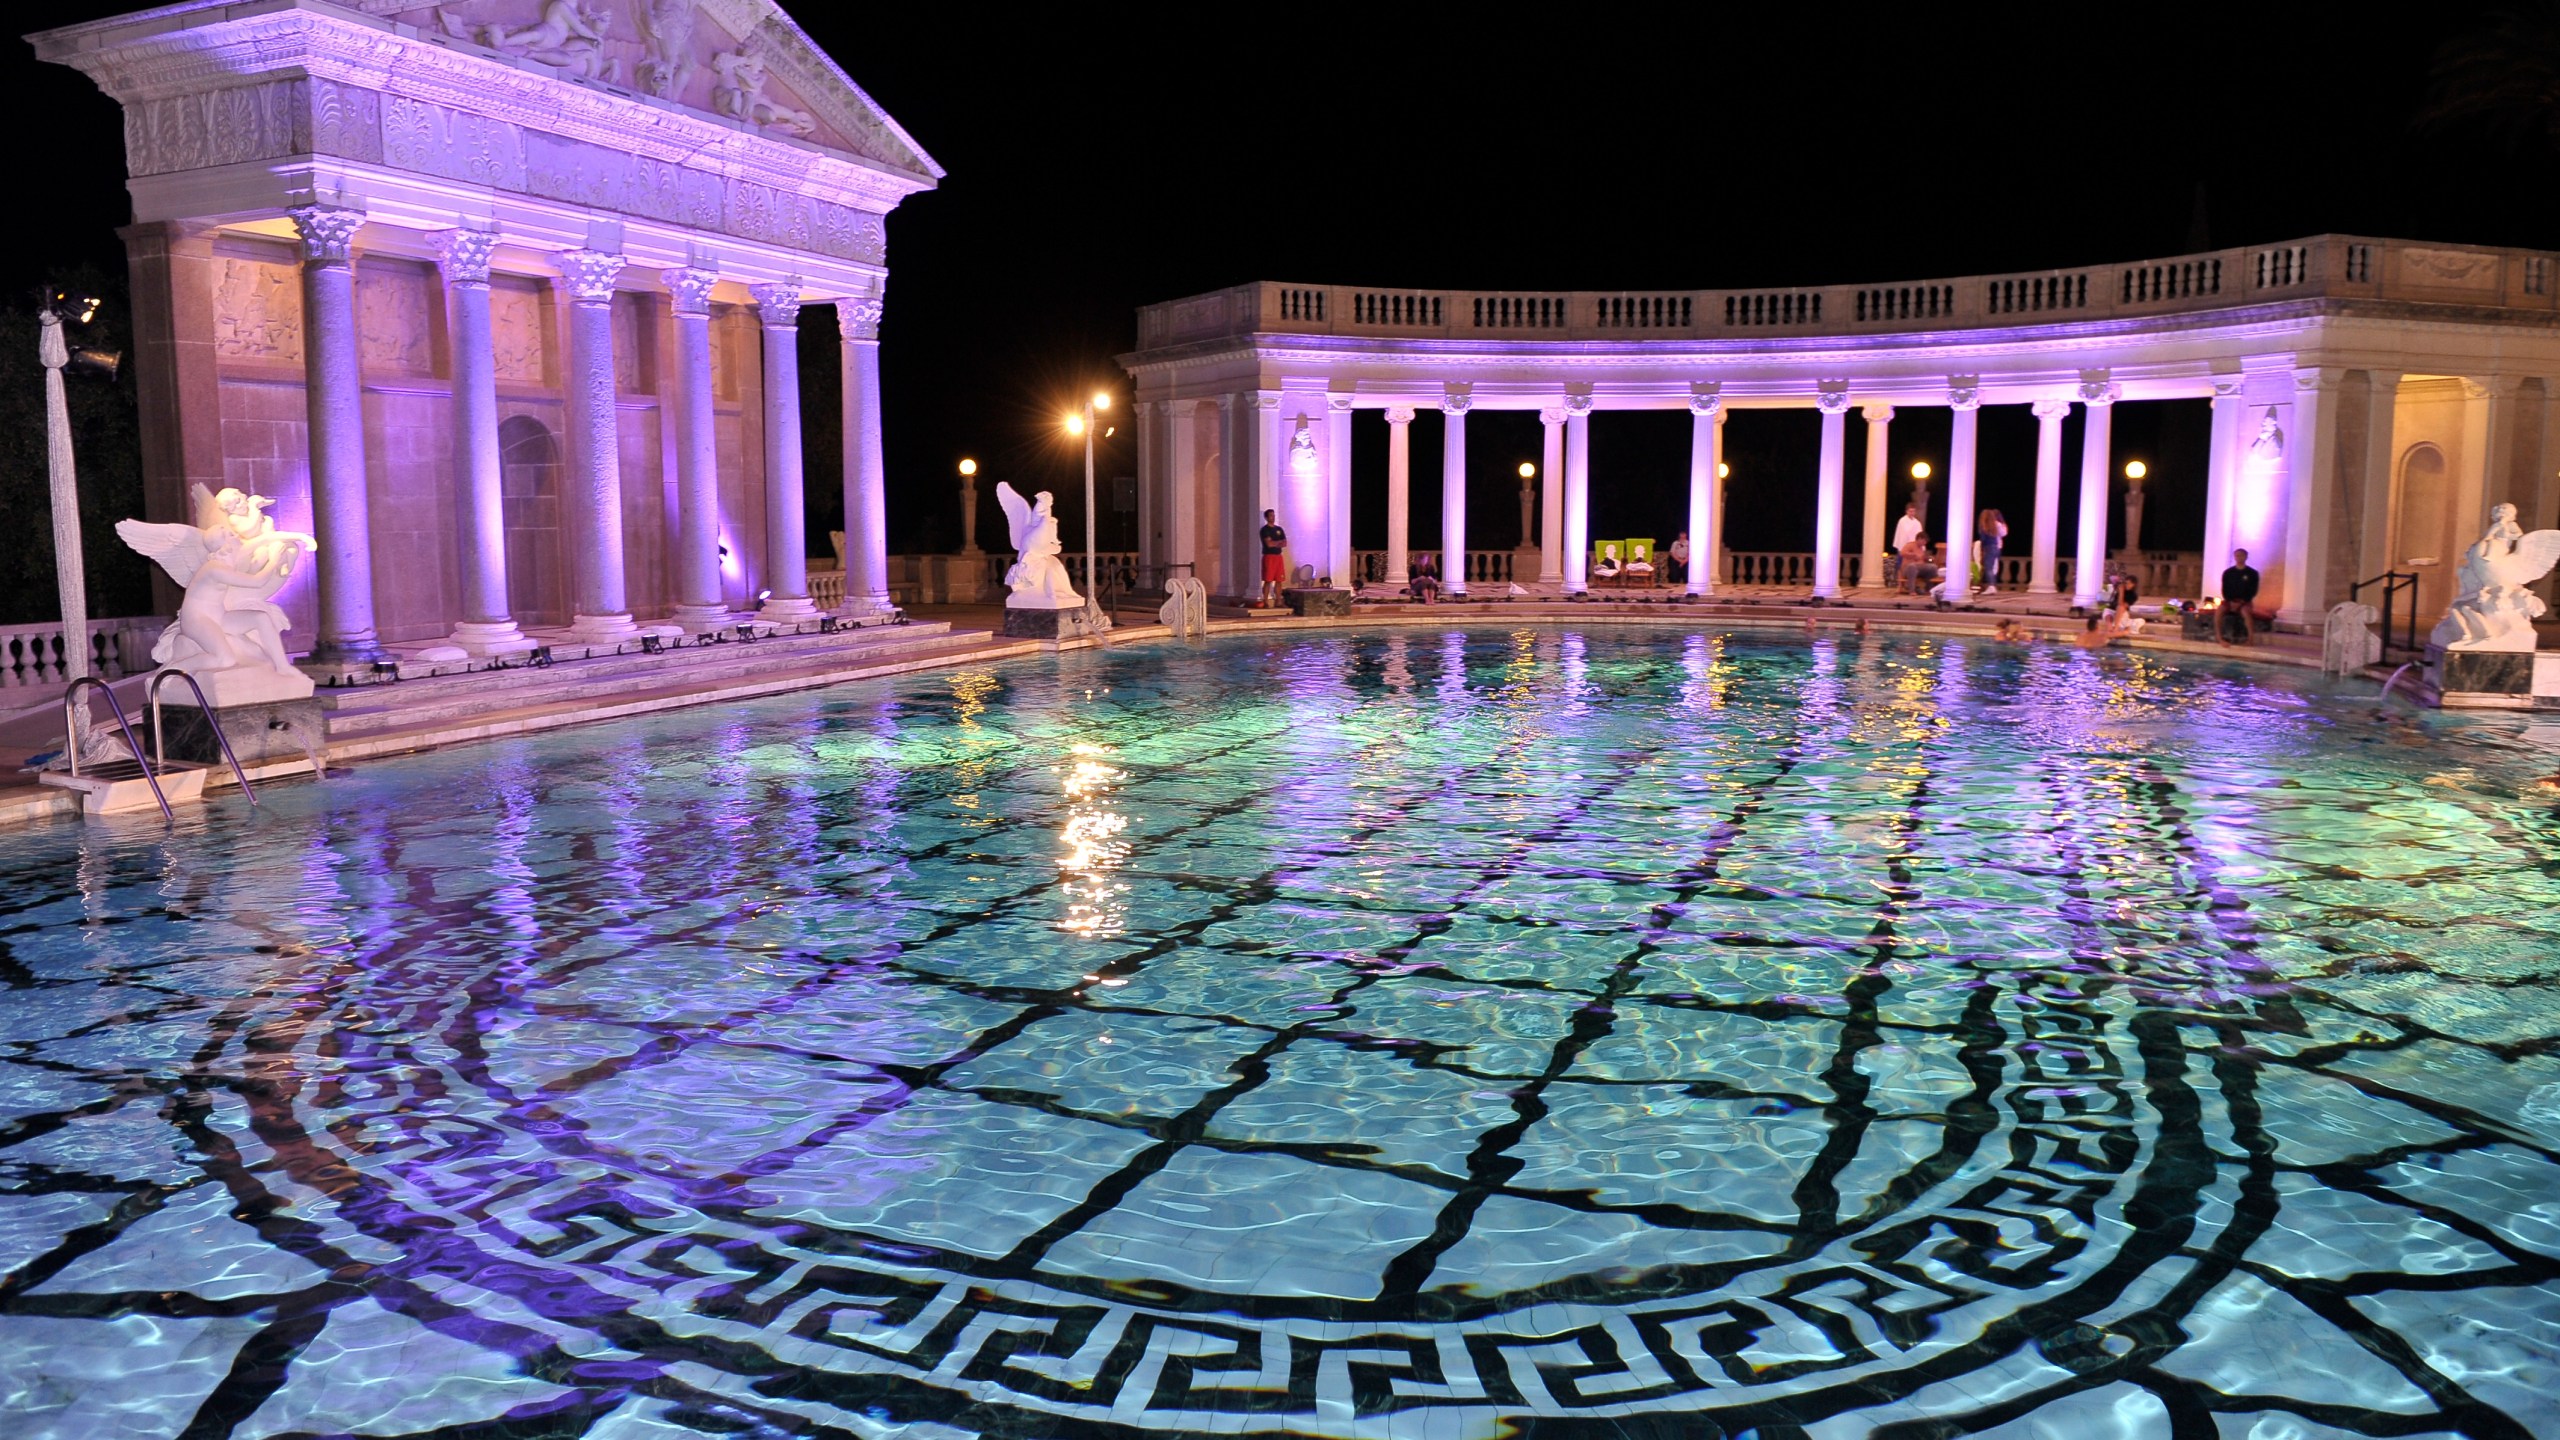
x: 786, y: 516
x: 1577, y: 494
x: 1551, y: 498
x: 2041, y: 566
x: 701, y: 604
x: 1964, y: 393
x: 598, y: 611
x: 1879, y: 420
x: 2089, y: 583
x: 333, y: 390
x: 487, y: 626
x: 866, y: 520
x: 1399, y: 495
x: 1706, y: 447
x: 1827, y: 492
x: 1453, y: 490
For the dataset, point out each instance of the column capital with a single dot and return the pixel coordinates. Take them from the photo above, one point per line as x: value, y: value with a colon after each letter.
x: 1338, y: 404
x: 1964, y: 392
x: 1551, y: 417
x: 463, y: 255
x: 1706, y: 397
x: 2228, y: 388
x: 1400, y: 414
x: 589, y: 275
x: 328, y: 233
x: 689, y: 289
x: 778, y: 304
x: 1456, y: 397
x: 2050, y: 408
x: 1265, y: 400
x: 1876, y: 414
x: 1577, y: 404
x: 858, y: 317
x: 1832, y: 397
x: 2097, y: 387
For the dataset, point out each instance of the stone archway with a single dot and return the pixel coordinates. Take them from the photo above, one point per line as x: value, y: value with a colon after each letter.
x: 2422, y: 538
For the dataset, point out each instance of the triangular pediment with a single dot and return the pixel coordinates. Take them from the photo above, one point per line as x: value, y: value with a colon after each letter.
x: 742, y: 60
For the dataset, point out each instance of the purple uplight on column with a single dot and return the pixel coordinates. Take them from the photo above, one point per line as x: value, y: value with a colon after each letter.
x: 2089, y: 584
x: 1706, y: 437
x: 1453, y: 489
x: 1834, y: 402
x: 1964, y: 395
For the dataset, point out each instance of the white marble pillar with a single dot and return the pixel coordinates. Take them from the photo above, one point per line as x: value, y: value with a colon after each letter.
x: 786, y: 512
x: 1706, y: 447
x: 1577, y: 494
x: 333, y: 392
x: 1551, y: 498
x: 1453, y: 490
x: 701, y: 607
x: 1145, y: 414
x: 1337, y: 481
x: 2089, y: 585
x: 599, y: 612
x: 487, y: 626
x: 2370, y: 494
x: 2047, y: 529
x: 1871, y: 531
x: 1182, y: 493
x: 1827, y: 496
x: 1399, y: 495
x: 2221, y: 481
x: 866, y: 519
x: 1964, y: 396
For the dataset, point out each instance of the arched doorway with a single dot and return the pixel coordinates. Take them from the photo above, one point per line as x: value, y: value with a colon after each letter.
x: 2421, y: 528
x: 537, y: 564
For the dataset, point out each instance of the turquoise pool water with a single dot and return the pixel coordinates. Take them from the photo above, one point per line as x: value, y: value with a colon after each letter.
x: 1422, y: 1034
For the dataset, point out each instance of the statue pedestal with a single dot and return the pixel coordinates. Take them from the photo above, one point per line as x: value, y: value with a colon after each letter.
x: 260, y: 734
x: 239, y: 685
x: 1318, y: 602
x: 2482, y: 679
x: 1071, y: 624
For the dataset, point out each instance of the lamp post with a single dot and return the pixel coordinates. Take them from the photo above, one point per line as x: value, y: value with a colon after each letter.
x: 2134, y: 470
x: 968, y: 507
x: 1081, y: 423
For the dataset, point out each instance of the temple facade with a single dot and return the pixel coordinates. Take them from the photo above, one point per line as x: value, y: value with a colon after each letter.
x: 2371, y: 400
x: 499, y: 299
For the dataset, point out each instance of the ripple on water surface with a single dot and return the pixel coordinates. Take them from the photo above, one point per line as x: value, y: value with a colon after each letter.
x: 1449, y: 1034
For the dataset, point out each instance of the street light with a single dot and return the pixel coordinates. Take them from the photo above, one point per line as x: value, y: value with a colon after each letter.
x: 1081, y: 423
x: 2134, y: 470
x: 1723, y: 470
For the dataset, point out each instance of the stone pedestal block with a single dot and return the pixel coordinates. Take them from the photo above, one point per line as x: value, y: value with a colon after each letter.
x: 1052, y: 624
x: 259, y: 734
x: 1318, y: 602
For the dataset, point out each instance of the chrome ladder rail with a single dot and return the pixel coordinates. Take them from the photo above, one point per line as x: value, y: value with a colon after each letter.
x: 158, y: 757
x: 71, y: 741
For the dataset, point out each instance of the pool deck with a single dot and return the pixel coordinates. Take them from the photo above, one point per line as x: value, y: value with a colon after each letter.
x: 429, y: 709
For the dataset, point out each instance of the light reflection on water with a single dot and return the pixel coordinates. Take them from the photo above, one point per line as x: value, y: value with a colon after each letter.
x: 1428, y: 1032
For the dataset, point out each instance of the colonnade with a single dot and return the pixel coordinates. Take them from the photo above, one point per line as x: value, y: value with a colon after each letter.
x: 587, y: 282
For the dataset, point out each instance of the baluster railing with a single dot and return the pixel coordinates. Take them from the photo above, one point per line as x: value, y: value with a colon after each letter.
x: 33, y: 655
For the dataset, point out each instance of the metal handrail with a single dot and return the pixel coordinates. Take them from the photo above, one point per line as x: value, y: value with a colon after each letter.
x: 2392, y: 583
x: 162, y: 677
x: 71, y: 733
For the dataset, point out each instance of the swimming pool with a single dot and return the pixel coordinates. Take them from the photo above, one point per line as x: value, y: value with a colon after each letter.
x: 1608, y: 1033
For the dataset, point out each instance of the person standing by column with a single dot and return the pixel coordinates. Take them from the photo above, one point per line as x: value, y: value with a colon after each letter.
x: 1993, y: 534
x: 1275, y: 558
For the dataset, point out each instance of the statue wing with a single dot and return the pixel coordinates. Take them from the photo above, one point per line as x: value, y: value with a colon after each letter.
x: 1017, y: 513
x: 180, y: 549
x: 208, y: 514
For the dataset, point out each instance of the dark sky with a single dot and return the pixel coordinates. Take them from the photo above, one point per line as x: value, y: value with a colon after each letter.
x: 1102, y: 160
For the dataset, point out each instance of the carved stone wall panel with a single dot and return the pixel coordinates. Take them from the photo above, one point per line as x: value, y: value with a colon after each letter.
x: 395, y: 331
x: 635, y: 347
x: 418, y: 135
x: 219, y: 127
x: 847, y: 233
x: 257, y: 311
x: 346, y: 121
x: 517, y: 331
x: 2450, y: 269
x: 607, y: 179
x: 760, y: 212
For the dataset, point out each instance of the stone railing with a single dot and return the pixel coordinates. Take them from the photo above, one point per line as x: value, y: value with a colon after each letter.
x: 826, y: 588
x: 2333, y: 267
x: 32, y: 654
x: 1484, y: 567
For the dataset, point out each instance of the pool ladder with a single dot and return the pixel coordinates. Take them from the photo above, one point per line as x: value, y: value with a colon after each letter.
x: 148, y: 769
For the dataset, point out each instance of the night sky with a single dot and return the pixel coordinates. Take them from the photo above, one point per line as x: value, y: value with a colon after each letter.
x: 1106, y: 160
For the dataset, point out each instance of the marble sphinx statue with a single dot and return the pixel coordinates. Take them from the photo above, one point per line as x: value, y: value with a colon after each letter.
x: 2492, y: 609
x: 1038, y: 578
x: 229, y: 632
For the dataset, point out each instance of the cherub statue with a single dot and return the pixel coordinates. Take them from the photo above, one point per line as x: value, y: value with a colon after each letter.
x: 666, y: 26
x: 1038, y: 580
x: 569, y: 35
x: 2492, y: 609
x: 232, y: 562
x: 739, y: 91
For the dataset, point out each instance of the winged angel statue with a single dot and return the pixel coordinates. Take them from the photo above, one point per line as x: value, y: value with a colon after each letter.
x: 232, y: 562
x: 1038, y: 579
x: 2492, y: 610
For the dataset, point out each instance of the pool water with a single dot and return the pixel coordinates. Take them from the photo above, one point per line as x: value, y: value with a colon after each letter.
x: 1424, y: 1034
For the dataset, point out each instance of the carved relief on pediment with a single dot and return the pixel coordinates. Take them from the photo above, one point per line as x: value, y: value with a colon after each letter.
x: 516, y: 332
x: 393, y: 329
x: 257, y: 311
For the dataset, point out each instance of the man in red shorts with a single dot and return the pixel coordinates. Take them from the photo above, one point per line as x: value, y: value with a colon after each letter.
x: 1275, y: 566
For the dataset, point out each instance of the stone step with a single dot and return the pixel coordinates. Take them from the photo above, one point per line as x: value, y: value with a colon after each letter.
x: 455, y: 698
x: 631, y: 659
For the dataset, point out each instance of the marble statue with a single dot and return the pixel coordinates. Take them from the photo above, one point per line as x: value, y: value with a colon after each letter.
x: 2269, y: 446
x: 229, y: 633
x: 2347, y: 643
x: 1186, y: 607
x: 2492, y: 609
x: 666, y: 27
x: 569, y: 36
x: 739, y: 91
x: 1038, y: 578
